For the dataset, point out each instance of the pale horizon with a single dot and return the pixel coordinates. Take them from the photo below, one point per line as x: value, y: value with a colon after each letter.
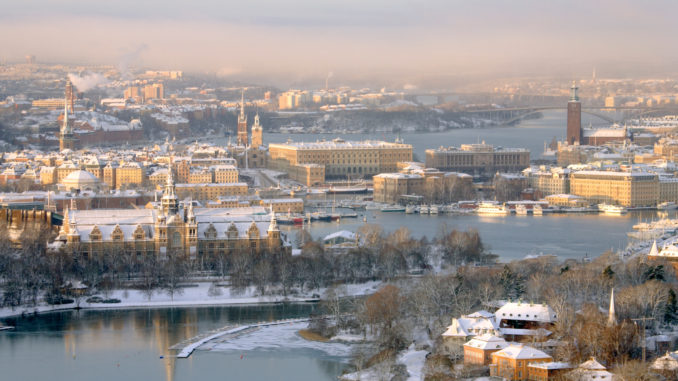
x: 381, y: 41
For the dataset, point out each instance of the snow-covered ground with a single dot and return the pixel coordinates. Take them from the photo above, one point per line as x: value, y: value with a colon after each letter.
x: 190, y: 296
x: 276, y: 338
x: 414, y: 362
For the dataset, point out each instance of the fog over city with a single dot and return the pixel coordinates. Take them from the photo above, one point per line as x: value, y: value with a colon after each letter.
x: 429, y: 43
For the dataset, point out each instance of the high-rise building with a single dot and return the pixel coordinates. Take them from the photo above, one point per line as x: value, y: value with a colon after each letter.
x: 242, y: 123
x: 257, y: 133
x: 154, y: 91
x: 573, y: 116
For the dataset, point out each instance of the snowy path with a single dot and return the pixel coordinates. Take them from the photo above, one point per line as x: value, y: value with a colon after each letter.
x: 187, y: 350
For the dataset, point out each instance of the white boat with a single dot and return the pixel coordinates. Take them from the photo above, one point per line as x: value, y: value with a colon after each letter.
x: 410, y: 209
x: 537, y: 210
x: 393, y: 208
x: 433, y: 209
x: 521, y: 210
x: 492, y: 209
x: 667, y: 206
x: 5, y: 327
x: 423, y: 209
x: 612, y: 209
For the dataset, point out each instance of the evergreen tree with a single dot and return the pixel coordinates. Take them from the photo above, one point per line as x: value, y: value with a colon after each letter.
x: 512, y: 284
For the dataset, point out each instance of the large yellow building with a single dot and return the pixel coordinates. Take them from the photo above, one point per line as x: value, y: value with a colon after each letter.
x: 478, y: 159
x: 389, y: 187
x: 342, y: 158
x: 128, y: 174
x: 429, y: 184
x: 211, y: 191
x: 170, y: 229
x: 623, y: 188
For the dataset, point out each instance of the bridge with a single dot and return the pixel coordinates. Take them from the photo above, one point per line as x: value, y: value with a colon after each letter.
x: 512, y: 115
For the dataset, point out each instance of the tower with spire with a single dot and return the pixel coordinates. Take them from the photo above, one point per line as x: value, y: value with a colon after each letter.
x: 574, y: 132
x: 612, y: 316
x: 169, y: 202
x: 257, y: 133
x: 66, y: 138
x: 273, y: 232
x: 242, y: 122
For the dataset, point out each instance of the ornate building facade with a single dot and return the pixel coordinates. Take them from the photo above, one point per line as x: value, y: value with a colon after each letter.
x: 170, y: 229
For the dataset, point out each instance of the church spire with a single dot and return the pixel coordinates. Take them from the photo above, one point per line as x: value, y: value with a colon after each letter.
x: 611, y: 316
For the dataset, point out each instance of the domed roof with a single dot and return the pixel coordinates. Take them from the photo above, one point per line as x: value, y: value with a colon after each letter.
x: 80, y: 180
x: 82, y: 177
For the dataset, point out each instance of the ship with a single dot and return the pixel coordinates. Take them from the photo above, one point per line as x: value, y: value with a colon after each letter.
x: 667, y: 206
x: 521, y: 210
x: 537, y: 210
x: 612, y: 209
x: 393, y: 208
x: 347, y: 189
x: 410, y: 209
x: 492, y: 209
x: 423, y: 209
x: 433, y: 209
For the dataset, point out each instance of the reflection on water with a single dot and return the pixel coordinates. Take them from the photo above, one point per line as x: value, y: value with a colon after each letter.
x: 134, y: 344
x: 573, y: 235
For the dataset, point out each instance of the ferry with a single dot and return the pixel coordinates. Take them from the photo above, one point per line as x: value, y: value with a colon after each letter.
x: 393, y: 208
x: 612, y: 209
x: 423, y: 209
x: 433, y: 209
x: 347, y: 189
x: 537, y: 210
x: 320, y: 216
x: 410, y: 209
x: 521, y: 210
x: 667, y: 206
x: 492, y: 209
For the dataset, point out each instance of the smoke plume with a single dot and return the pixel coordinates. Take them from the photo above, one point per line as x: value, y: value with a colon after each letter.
x: 87, y: 81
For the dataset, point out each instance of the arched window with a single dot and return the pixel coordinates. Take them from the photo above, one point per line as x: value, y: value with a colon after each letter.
x: 176, y: 239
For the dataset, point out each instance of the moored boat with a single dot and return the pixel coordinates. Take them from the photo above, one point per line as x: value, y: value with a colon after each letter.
x: 433, y: 209
x: 667, y: 206
x: 423, y: 209
x: 492, y: 209
x: 393, y: 208
x: 410, y: 209
x: 537, y: 210
x: 612, y: 209
x: 521, y: 210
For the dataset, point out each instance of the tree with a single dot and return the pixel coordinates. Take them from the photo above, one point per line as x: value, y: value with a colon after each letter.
x: 382, y: 311
x: 174, y: 271
x: 262, y: 275
x: 512, y: 283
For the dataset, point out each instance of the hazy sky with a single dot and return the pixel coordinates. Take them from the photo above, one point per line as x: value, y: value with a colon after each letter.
x: 400, y: 40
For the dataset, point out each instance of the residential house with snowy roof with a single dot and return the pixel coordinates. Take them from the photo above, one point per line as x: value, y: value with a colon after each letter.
x: 666, y: 365
x: 547, y: 371
x: 479, y: 349
x: 519, y: 321
x: 468, y: 326
x: 591, y: 370
x: 512, y: 362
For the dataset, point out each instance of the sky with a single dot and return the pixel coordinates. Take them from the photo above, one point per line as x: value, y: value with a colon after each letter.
x: 398, y: 41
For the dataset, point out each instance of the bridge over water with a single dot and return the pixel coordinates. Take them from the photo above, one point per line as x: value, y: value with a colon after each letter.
x: 610, y: 115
